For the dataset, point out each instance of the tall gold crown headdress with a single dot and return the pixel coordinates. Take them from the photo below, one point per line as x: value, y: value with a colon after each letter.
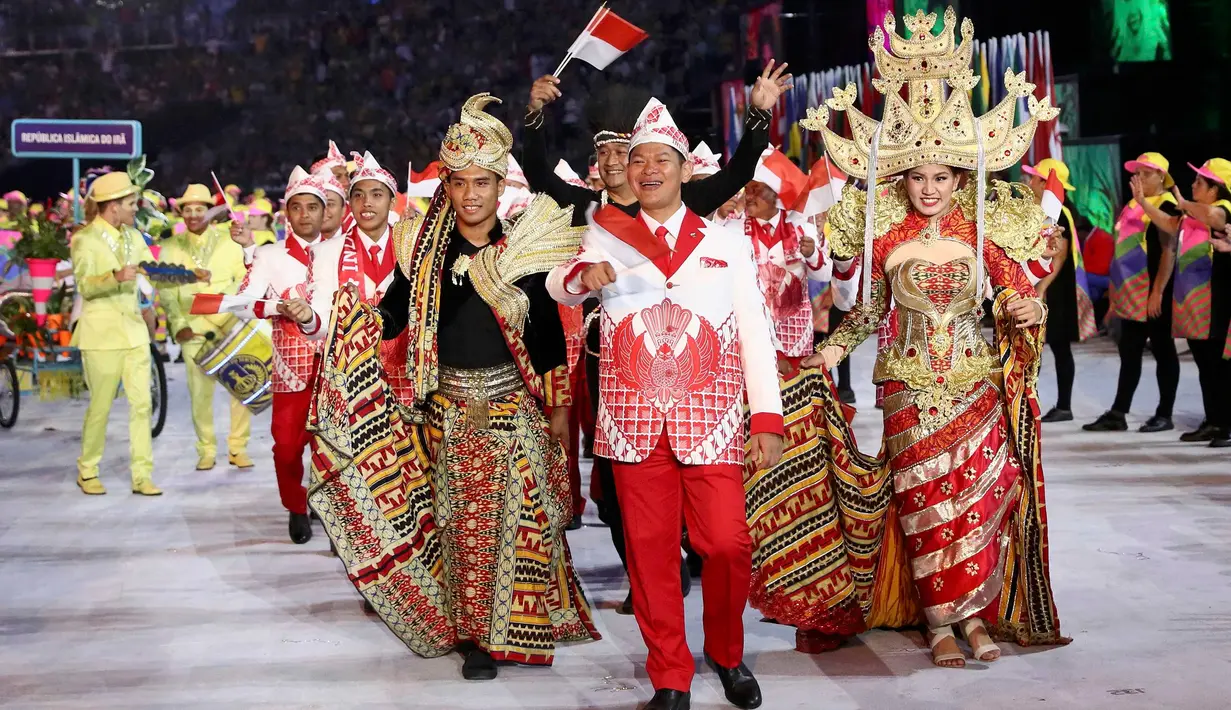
x: 928, y: 127
x: 478, y: 139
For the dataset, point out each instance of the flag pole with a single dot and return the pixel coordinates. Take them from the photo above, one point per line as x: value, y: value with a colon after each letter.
x: 225, y: 197
x: 568, y: 56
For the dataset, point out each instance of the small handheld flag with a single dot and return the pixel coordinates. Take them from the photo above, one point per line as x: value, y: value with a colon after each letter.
x: 1053, y: 197
x: 222, y: 198
x: 204, y: 304
x: 605, y: 39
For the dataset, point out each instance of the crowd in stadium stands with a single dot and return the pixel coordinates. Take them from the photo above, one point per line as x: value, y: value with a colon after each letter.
x: 386, y: 77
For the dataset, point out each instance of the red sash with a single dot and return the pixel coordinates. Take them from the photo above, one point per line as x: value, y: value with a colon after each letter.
x: 356, y: 266
x: 762, y: 233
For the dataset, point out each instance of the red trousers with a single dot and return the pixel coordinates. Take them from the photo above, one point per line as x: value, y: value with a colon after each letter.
x: 653, y: 495
x: 291, y: 437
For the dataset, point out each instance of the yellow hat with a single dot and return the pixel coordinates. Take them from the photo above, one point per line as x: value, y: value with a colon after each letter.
x: 1153, y: 161
x: 36, y: 208
x: 111, y: 186
x: 1045, y: 168
x: 1215, y: 169
x: 232, y: 188
x: 196, y: 193
x: 261, y: 206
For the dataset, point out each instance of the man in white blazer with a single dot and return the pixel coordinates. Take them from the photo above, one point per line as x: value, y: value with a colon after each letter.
x: 284, y: 271
x: 364, y: 255
x: 685, y: 337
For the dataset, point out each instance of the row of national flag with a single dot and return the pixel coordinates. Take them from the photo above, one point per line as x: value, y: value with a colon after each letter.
x: 1030, y: 53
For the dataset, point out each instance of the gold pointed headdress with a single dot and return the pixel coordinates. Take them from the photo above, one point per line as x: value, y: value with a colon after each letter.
x: 928, y: 127
x: 478, y: 139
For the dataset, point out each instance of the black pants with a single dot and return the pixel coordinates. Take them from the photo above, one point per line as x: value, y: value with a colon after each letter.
x: 844, y: 368
x: 609, y: 506
x: 1066, y: 370
x: 1133, y: 337
x: 1214, y: 374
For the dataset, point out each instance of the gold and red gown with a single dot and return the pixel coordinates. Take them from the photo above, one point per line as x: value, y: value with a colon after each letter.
x: 967, y: 520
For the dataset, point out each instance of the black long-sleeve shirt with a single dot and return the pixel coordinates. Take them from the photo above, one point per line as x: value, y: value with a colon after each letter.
x: 703, y: 197
x: 468, y: 335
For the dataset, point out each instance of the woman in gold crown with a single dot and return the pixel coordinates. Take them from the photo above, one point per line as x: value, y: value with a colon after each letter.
x: 961, y: 419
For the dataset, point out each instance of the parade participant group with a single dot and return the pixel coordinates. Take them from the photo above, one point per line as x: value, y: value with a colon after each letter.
x: 437, y: 361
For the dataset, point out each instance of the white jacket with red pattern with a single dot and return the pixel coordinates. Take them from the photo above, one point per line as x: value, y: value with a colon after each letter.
x: 684, y: 334
x: 279, y: 271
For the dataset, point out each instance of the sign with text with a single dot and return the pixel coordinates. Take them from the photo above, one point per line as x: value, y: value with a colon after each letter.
x: 59, y: 138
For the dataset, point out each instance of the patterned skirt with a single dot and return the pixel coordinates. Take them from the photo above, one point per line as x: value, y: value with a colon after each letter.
x: 451, y: 533
x: 954, y: 486
x: 966, y: 532
x: 816, y: 518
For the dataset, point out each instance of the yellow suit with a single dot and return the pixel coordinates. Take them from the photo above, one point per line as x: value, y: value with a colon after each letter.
x: 114, y: 343
x: 214, y: 251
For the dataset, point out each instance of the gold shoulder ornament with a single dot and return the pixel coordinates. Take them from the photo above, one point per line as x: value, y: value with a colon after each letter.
x: 536, y: 241
x: 846, y: 218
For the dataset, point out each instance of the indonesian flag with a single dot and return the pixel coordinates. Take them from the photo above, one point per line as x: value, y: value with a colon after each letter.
x: 423, y: 184
x: 825, y: 183
x: 567, y: 174
x: 205, y: 304
x: 782, y: 176
x: 221, y: 197
x: 1053, y: 197
x: 605, y: 39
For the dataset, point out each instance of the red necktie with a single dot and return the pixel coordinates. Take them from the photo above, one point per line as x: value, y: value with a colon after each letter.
x: 374, y: 255
x: 662, y: 233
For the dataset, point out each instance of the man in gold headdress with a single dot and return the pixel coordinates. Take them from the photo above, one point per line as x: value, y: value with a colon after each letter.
x: 449, y: 511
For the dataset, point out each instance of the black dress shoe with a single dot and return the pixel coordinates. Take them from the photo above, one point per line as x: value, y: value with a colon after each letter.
x: 1205, y: 432
x: 300, y: 528
x: 574, y: 524
x: 1057, y: 415
x: 626, y: 609
x: 479, y: 665
x: 846, y: 396
x: 1223, y: 440
x: 669, y: 700
x: 1108, y: 421
x: 741, y: 686
x: 1156, y: 424
x: 694, y: 564
x: 685, y: 577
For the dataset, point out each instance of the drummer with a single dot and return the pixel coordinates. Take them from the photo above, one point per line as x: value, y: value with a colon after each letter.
x: 111, y: 335
x: 208, y: 247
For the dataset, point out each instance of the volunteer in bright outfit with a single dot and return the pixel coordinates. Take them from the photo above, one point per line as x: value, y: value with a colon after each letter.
x: 110, y: 333
x: 207, y: 247
x: 1141, y: 293
x: 283, y: 271
x: 679, y: 298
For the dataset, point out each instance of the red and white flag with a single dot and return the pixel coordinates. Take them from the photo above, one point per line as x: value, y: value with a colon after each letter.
x: 1053, y: 197
x: 605, y: 39
x: 222, y: 198
x: 205, y: 304
x: 825, y: 183
x: 782, y: 176
x: 423, y: 184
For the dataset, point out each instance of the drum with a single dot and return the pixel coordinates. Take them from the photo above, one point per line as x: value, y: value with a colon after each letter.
x: 242, y: 361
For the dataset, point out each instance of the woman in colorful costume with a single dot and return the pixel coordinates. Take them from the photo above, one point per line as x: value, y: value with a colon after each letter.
x: 1141, y: 293
x: 961, y: 417
x: 449, y: 510
x: 1202, y: 310
x: 1070, y: 312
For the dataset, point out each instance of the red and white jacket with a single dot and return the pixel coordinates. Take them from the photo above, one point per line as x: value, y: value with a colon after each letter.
x: 684, y: 337
x: 284, y: 270
x: 351, y: 259
x: 783, y: 274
